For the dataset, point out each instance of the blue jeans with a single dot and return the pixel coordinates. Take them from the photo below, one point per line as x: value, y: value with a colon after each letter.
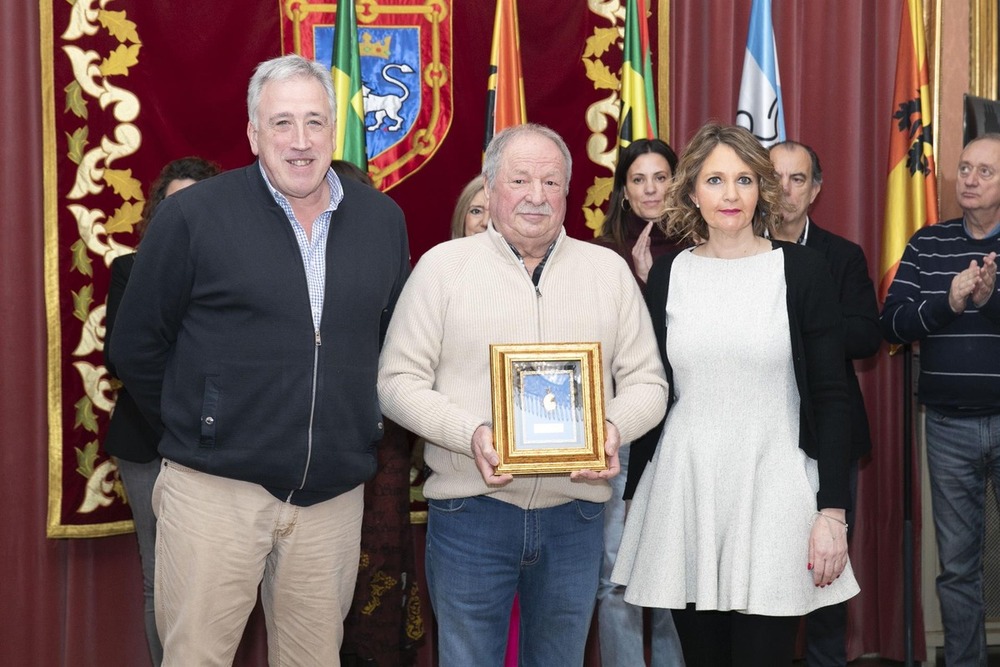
x: 138, y: 479
x: 481, y: 550
x: 620, y: 623
x: 962, y: 453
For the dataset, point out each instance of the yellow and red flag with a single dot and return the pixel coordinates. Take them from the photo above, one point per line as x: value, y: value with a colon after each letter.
x: 911, y: 189
x: 637, y: 119
x: 505, y: 86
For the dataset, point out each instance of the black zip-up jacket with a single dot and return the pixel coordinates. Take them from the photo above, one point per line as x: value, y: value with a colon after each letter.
x: 216, y: 343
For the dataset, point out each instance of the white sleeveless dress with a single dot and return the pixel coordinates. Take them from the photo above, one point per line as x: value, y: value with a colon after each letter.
x: 723, y: 512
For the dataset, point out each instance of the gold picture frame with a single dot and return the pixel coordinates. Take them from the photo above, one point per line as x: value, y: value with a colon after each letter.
x: 548, y: 407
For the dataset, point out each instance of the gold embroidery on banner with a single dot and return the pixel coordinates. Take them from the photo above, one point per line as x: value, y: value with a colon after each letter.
x: 380, y: 583
x: 414, y: 619
x: 369, y: 47
x: 96, y: 174
x: 600, y: 149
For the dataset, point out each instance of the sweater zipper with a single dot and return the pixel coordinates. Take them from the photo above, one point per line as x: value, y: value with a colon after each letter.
x: 536, y: 486
x: 538, y: 312
x: 318, y: 341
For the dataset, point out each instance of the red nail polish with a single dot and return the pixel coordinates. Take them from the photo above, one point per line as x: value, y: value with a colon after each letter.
x: 809, y: 566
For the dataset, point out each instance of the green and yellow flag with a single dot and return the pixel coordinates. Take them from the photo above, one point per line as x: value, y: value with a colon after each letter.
x: 505, y: 86
x: 911, y: 189
x: 346, y: 74
x: 638, y: 113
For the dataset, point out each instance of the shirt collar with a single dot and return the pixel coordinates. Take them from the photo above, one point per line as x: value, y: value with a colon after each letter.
x: 332, y: 180
x: 993, y: 232
x: 536, y: 275
x: 803, y: 237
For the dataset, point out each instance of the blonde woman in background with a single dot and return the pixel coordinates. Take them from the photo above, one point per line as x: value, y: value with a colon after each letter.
x: 470, y: 216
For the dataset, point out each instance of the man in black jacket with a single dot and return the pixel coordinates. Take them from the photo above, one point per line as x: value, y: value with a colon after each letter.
x: 249, y: 333
x: 798, y: 167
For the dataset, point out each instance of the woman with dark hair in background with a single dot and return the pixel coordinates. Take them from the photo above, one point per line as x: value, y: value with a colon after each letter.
x: 638, y: 198
x: 130, y: 438
x: 737, y: 523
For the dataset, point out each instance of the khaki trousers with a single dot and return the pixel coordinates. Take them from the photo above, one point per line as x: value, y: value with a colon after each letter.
x: 218, y: 539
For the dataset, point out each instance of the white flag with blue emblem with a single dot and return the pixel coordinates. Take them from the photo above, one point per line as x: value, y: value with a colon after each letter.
x: 759, y: 108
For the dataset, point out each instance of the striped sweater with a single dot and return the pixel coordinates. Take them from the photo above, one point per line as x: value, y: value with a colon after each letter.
x: 959, y: 353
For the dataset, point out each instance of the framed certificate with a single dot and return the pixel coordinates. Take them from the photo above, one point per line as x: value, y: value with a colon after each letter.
x: 548, y: 407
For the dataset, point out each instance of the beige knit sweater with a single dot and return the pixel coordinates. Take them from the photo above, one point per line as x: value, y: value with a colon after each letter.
x: 463, y: 295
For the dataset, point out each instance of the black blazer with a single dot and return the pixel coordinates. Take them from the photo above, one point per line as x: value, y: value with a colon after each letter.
x: 816, y: 344
x: 130, y: 436
x: 862, y: 336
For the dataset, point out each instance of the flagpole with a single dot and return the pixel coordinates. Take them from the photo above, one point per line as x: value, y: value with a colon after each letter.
x: 910, y: 203
x: 908, y: 505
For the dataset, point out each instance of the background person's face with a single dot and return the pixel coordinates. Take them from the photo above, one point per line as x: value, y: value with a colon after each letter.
x: 475, y: 216
x: 978, y: 182
x: 646, y: 184
x: 177, y: 185
x: 794, y: 169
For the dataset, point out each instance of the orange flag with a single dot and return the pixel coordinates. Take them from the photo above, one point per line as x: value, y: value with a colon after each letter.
x: 911, y: 189
x: 505, y: 86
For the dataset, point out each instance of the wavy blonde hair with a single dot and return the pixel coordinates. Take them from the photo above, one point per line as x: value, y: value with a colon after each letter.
x: 683, y: 220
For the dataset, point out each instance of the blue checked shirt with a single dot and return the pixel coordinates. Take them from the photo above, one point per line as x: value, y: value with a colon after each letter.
x: 313, y: 250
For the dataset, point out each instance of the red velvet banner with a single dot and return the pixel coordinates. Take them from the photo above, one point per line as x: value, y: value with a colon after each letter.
x: 124, y: 91
x: 130, y: 88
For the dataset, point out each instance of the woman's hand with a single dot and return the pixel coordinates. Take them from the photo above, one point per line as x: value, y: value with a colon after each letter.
x: 642, y: 257
x: 828, y: 546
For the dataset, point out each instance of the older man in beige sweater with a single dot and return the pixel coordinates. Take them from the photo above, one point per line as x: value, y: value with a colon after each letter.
x: 522, y: 281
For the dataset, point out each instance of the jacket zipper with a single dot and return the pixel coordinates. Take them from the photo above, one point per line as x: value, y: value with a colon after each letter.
x: 318, y: 341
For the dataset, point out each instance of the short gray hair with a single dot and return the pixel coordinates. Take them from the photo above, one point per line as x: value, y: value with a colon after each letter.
x: 283, y: 68
x: 495, y: 151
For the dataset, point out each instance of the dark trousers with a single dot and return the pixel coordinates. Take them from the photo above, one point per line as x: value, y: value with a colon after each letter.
x: 732, y: 639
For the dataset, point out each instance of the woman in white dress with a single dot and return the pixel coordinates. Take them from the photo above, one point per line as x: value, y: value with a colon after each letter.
x: 737, y: 520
